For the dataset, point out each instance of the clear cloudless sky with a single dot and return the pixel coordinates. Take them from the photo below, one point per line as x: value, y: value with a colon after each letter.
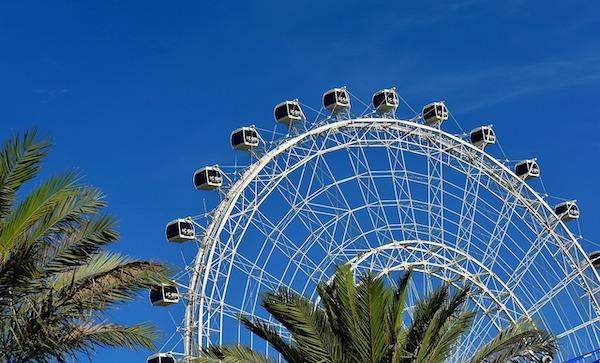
x: 137, y: 95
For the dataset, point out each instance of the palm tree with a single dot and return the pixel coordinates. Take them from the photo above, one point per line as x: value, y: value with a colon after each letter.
x: 57, y: 283
x: 365, y: 322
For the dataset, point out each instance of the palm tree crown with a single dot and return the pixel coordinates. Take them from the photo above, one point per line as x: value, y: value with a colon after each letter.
x: 56, y: 280
x: 365, y: 321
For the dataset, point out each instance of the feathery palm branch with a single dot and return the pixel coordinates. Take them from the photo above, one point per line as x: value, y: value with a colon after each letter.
x: 57, y: 283
x: 364, y: 321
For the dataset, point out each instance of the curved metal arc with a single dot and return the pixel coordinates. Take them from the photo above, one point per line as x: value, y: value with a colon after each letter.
x: 225, y: 208
x: 253, y: 170
x: 461, y: 271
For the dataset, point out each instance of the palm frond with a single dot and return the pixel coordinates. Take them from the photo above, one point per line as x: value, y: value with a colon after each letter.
x: 440, y: 344
x: 77, y: 246
x: 522, y: 339
x: 399, y: 299
x: 63, y: 344
x: 287, y: 348
x: 20, y: 161
x: 232, y: 354
x: 107, y: 279
x: 307, y: 325
x: 360, y: 322
x: 19, y: 248
x: 57, y: 281
x: 424, y: 312
x: 113, y: 335
x: 372, y: 303
x: 398, y: 334
x: 39, y: 204
x: 339, y: 300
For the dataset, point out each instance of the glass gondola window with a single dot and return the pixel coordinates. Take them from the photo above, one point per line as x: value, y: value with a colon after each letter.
x: 180, y: 230
x: 527, y: 169
x: 214, y: 176
x: 336, y: 99
x: 385, y: 100
x: 250, y: 136
x: 476, y: 136
x: 208, y: 178
x: 435, y: 112
x: 595, y: 258
x: 378, y: 99
x: 294, y: 109
x: 567, y: 211
x: 161, y: 358
x: 561, y: 209
x: 244, y: 138
x: 164, y: 295
x: 281, y: 112
x: 483, y: 136
x: 287, y: 112
x: 155, y: 295
x: 237, y: 138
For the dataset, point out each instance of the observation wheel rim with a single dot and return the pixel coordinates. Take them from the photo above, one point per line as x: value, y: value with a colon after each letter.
x: 222, y: 212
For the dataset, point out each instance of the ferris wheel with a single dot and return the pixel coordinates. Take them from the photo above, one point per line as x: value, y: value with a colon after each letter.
x: 384, y: 194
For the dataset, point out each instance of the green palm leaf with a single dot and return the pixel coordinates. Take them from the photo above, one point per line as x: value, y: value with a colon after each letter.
x: 520, y: 340
x: 37, y: 205
x: 286, y: 347
x: 307, y: 326
x: 364, y: 321
x: 20, y: 161
x: 372, y: 301
x: 57, y: 283
x: 232, y: 354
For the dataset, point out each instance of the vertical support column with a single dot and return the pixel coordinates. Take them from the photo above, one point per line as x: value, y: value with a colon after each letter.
x: 468, y: 208
x: 435, y: 190
x: 190, y: 348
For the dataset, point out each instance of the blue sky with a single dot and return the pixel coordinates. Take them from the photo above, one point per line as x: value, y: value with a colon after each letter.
x: 137, y: 95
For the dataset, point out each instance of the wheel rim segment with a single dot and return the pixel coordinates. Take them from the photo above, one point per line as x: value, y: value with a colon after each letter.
x: 385, y: 194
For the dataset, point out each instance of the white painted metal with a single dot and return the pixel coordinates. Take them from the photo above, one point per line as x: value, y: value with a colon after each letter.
x: 385, y: 194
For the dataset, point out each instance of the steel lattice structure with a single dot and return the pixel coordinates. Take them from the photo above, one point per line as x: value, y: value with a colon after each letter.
x: 384, y: 194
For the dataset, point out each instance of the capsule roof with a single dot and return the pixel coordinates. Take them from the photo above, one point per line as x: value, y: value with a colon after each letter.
x: 161, y: 358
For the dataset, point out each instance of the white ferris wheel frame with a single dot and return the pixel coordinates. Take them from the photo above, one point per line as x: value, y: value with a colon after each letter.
x: 447, y: 144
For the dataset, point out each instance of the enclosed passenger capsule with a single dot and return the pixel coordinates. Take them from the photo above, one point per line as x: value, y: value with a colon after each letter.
x: 386, y: 100
x: 527, y: 169
x: 336, y: 99
x: 161, y: 358
x: 483, y: 136
x: 164, y: 295
x: 180, y: 230
x: 287, y: 112
x: 595, y: 258
x: 435, y: 112
x: 208, y: 178
x: 567, y: 211
x: 244, y: 138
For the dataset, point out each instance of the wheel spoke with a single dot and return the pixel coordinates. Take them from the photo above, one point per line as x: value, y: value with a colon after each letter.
x: 385, y: 194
